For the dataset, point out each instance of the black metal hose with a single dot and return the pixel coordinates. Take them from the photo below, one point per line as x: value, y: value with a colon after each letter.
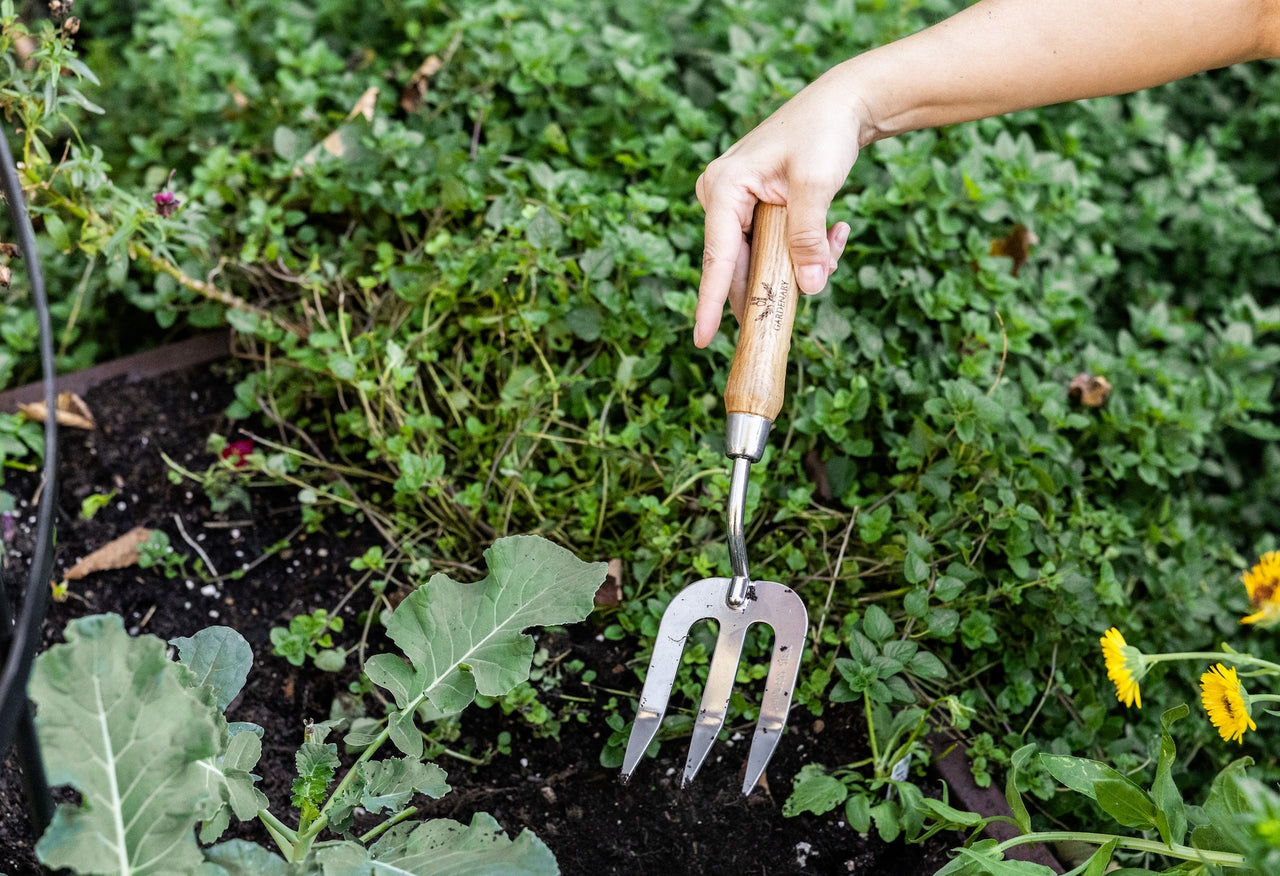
x: 20, y: 633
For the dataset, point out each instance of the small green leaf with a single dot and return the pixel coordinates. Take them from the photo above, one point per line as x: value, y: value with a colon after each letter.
x: 1018, y: 808
x: 857, y: 811
x: 915, y: 569
x: 220, y: 657
x: 1098, y: 862
x: 814, y: 791
x: 1171, y: 817
x: 876, y: 623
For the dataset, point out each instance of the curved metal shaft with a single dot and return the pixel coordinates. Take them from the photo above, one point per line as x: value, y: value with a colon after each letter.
x: 740, y: 584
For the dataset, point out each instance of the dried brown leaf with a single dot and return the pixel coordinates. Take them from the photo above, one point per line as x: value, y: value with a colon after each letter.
x: 1016, y: 246
x: 610, y: 592
x: 71, y: 411
x: 416, y: 90
x: 119, y: 553
x: 1089, y: 390
x: 333, y: 143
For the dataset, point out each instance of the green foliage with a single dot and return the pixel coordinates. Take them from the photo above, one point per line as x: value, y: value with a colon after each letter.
x: 132, y: 733
x: 145, y: 742
x: 1231, y: 829
x: 309, y: 636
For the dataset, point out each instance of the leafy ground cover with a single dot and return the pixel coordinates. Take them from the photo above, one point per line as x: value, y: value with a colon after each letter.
x: 458, y: 246
x: 556, y: 788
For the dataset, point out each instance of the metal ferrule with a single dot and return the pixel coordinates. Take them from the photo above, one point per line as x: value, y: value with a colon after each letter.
x: 745, y: 436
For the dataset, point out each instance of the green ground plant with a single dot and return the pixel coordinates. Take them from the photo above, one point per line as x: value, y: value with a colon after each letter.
x: 145, y: 742
x: 463, y: 304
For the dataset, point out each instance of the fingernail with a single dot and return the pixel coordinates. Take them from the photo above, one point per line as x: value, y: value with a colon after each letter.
x: 812, y: 278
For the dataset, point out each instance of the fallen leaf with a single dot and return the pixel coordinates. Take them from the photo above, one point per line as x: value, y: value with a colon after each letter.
x: 1016, y: 246
x: 119, y: 553
x: 333, y: 144
x: 70, y: 411
x: 816, y: 469
x: 1088, y: 390
x: 414, y: 93
x: 610, y: 592
x: 336, y: 144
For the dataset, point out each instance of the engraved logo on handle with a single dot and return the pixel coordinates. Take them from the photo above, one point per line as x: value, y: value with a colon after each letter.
x: 773, y: 304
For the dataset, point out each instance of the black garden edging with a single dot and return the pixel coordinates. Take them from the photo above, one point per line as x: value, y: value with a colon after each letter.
x: 21, y: 622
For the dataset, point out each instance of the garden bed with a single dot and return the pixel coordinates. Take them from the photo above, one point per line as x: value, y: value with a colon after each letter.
x: 557, y: 788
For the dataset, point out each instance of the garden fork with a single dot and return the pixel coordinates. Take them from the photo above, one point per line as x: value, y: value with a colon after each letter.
x: 753, y: 398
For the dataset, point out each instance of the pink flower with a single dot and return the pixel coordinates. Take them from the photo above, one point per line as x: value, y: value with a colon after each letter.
x: 166, y: 202
x: 235, y: 453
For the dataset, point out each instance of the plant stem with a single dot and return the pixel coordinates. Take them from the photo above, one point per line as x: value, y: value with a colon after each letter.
x: 871, y: 732
x: 1224, y: 656
x: 285, y: 838
x: 386, y: 825
x: 1186, y: 853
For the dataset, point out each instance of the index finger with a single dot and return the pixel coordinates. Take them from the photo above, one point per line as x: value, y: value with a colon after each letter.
x: 724, y: 230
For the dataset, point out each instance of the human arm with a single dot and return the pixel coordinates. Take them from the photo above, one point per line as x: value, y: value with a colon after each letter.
x: 994, y: 57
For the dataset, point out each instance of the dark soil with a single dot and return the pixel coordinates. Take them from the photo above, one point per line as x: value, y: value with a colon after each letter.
x: 556, y: 788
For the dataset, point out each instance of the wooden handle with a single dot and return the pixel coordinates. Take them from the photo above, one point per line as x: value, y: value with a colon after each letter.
x: 758, y: 375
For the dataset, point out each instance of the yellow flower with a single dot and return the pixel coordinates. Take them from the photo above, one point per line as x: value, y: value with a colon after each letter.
x: 1223, y: 697
x: 1263, y: 584
x: 1125, y: 667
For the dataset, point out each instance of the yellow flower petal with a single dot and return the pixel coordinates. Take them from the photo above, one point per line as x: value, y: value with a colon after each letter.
x: 1262, y: 583
x: 1223, y: 698
x: 1121, y: 668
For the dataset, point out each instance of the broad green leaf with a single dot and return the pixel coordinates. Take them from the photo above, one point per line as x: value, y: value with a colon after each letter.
x: 389, y: 784
x: 1080, y: 773
x: 1224, y: 807
x: 1125, y: 802
x: 467, y: 638
x: 1171, y: 816
x: 243, y: 858
x: 442, y: 847
x: 120, y: 723
x: 220, y: 658
x: 1117, y: 794
x: 386, y: 786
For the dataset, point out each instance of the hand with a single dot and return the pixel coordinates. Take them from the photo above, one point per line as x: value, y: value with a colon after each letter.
x: 799, y: 157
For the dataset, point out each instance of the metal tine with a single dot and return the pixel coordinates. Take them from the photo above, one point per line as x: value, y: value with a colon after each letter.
x: 790, y: 623
x: 694, y: 603
x: 715, y: 698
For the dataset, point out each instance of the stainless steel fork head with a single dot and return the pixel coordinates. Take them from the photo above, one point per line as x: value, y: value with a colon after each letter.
x: 767, y: 603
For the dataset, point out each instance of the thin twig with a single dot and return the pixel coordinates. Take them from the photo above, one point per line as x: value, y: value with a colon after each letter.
x: 195, y: 546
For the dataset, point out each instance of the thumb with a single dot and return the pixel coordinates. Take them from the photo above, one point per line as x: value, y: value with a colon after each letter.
x: 807, y: 240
